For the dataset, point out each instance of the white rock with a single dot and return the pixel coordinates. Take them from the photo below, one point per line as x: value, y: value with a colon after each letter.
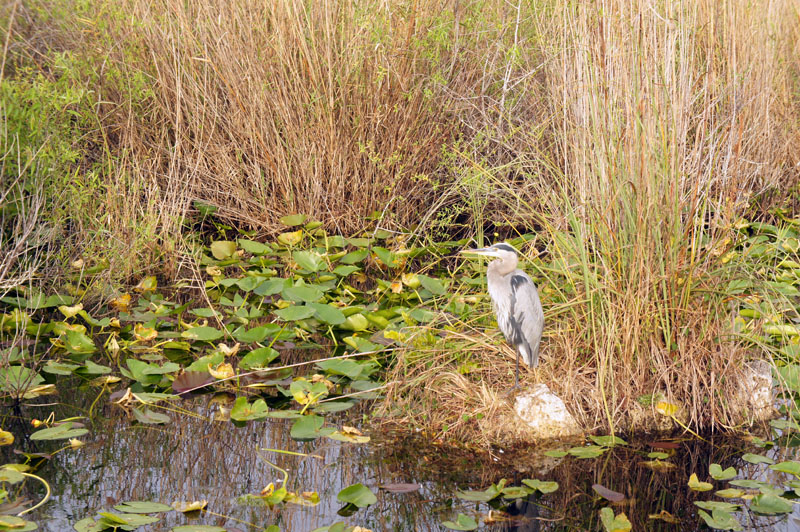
x: 758, y: 389
x: 545, y: 414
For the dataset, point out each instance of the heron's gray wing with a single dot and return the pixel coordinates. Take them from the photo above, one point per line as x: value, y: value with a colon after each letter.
x: 527, y: 317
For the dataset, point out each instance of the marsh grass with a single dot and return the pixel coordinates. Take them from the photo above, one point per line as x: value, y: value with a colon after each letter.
x: 631, y: 135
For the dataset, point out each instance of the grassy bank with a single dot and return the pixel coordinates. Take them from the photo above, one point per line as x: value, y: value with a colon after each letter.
x: 630, y: 137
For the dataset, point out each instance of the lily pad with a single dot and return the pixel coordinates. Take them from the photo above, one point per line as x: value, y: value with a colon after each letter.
x: 222, y: 249
x: 357, y: 494
x: 142, y: 507
x: 63, y: 431
x: 716, y: 472
x: 462, y: 522
x: 203, y: 333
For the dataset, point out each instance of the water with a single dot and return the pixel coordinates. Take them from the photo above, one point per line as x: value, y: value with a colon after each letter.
x: 194, y: 458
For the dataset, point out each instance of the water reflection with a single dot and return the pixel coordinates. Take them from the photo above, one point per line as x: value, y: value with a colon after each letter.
x: 194, y: 458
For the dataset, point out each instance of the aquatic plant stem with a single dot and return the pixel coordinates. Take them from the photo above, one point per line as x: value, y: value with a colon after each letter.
x: 46, y: 495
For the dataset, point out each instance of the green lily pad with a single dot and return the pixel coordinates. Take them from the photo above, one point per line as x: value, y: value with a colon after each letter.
x: 720, y: 520
x: 434, y: 286
x: 462, y: 522
x: 258, y: 358
x: 354, y: 257
x: 589, y: 451
x: 149, y: 417
x: 256, y: 248
x: 608, y: 441
x: 309, y: 260
x: 64, y: 431
x: 770, y: 504
x: 357, y: 494
x: 295, y: 313
x: 716, y: 472
x: 327, y: 313
x: 717, y: 505
x: 142, y: 507
x: 791, y: 467
x: 486, y: 495
x: 197, y: 528
x: 543, y: 486
x: 303, y: 293
x: 308, y: 428
x: 203, y: 334
x: 612, y: 523
x: 244, y: 411
x: 222, y: 249
x: 292, y: 220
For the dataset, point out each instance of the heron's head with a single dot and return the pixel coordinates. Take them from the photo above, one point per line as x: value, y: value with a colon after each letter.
x: 501, y: 251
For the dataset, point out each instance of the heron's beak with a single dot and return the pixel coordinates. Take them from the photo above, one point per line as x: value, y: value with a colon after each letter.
x: 484, y: 252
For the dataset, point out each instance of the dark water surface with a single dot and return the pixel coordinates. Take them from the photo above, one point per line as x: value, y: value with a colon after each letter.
x: 196, y: 458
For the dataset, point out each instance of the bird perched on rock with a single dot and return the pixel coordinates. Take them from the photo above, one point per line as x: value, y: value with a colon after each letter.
x: 515, y: 301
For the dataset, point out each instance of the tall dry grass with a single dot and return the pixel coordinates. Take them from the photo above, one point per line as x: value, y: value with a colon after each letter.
x: 630, y: 133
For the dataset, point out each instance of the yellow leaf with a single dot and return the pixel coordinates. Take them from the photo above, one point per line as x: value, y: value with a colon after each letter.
x: 290, y: 238
x: 411, y: 280
x: 396, y: 287
x: 667, y: 409
x: 228, y: 351
x: 695, y: 484
x: 148, y: 284
x: 222, y: 371
x: 70, y: 312
x: 186, y: 507
x: 144, y: 334
x: 213, y: 271
x: 75, y: 443
x: 78, y: 264
x: 121, y: 303
x: 6, y: 438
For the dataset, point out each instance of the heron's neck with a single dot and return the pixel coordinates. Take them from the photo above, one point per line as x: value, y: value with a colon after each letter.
x: 503, y: 266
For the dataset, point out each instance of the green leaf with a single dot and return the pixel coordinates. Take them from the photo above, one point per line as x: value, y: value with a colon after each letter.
x: 303, y: 293
x: 729, y: 493
x: 720, y: 520
x: 78, y: 343
x: 142, y: 507
x: 149, y: 417
x: 203, y: 333
x: 243, y: 411
x: 271, y: 286
x: 357, y: 494
x: 64, y: 431
x: 544, y: 487
x: 608, y: 441
x: 355, y: 322
x: 201, y: 364
x: 18, y: 379
x: 463, y: 522
x: 256, y: 248
x: 256, y: 334
x: 295, y: 313
x: 327, y: 313
x: 343, y: 366
x: 222, y: 249
x: 770, y: 504
x: 486, y: 495
x: 307, y: 428
x: 590, y: 451
x: 354, y: 257
x: 716, y: 472
x: 613, y: 523
x: 17, y: 524
x: 717, y: 505
x: 59, y: 368
x: 197, y: 528
x: 793, y: 468
x: 258, y: 358
x: 757, y: 459
x: 344, y: 271
x: 432, y: 285
x: 309, y: 260
x: 292, y: 220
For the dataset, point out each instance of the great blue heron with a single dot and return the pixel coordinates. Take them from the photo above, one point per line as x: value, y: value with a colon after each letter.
x: 515, y: 301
